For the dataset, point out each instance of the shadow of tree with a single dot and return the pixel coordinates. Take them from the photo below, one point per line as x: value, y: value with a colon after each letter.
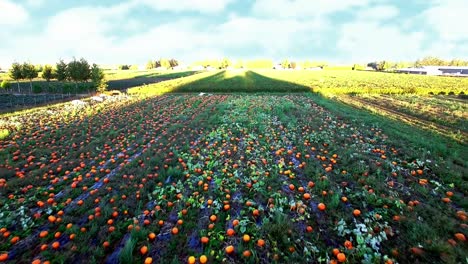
x: 244, y: 82
x: 146, y: 79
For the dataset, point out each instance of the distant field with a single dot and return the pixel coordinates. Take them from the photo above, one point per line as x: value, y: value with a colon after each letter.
x: 363, y: 82
x: 241, y: 167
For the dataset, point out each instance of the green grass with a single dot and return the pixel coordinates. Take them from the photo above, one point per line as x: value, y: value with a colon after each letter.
x: 420, y: 142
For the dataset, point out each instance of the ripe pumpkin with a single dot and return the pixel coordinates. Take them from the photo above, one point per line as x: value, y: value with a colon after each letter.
x: 229, y: 249
x: 144, y: 250
x: 356, y: 212
x: 203, y: 259
x: 460, y: 237
x: 321, y: 206
x: 205, y: 240
x: 191, y: 260
x: 341, y: 257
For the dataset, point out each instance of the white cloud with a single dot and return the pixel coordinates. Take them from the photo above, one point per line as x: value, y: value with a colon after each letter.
x: 95, y: 33
x: 367, y: 41
x: 202, y: 6
x: 12, y: 13
x: 35, y: 3
x: 303, y: 9
x: 381, y: 12
x: 449, y: 19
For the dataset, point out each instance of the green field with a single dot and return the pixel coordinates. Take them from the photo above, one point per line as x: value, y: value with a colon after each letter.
x: 242, y: 167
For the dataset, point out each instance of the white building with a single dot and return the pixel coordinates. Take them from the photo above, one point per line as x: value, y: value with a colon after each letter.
x: 437, y: 70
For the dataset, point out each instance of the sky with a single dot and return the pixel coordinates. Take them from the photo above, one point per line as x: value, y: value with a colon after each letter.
x: 135, y: 31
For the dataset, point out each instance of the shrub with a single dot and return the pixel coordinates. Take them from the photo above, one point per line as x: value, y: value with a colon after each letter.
x: 124, y: 67
x: 37, y: 88
x: 4, y: 133
x: 5, y: 84
x: 67, y: 88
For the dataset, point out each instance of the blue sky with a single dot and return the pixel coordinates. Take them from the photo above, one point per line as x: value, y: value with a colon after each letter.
x: 134, y: 31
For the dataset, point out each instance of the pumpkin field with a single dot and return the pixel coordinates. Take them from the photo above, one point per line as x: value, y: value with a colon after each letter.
x: 241, y: 167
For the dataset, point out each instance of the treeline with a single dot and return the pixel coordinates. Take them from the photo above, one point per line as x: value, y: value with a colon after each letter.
x: 258, y: 64
x: 426, y: 61
x: 86, y: 77
x: 162, y: 63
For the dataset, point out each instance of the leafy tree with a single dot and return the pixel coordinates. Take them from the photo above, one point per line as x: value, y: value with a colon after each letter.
x: 225, y: 63
x: 432, y: 61
x: 38, y: 67
x: 293, y: 65
x: 48, y: 73
x: 165, y: 63
x: 28, y: 71
x: 16, y: 74
x: 61, y: 71
x: 85, y: 70
x: 134, y: 67
x: 124, y: 67
x: 98, y: 78
x: 173, y: 63
x: 150, y: 65
x: 157, y: 63
x: 383, y: 65
x: 456, y: 62
x: 78, y: 71
x: 285, y: 64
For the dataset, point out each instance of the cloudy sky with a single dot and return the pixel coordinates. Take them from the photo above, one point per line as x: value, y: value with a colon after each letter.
x: 133, y: 31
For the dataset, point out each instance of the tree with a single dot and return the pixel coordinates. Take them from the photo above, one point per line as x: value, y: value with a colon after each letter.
x: 225, y: 63
x: 16, y: 74
x: 383, y: 65
x: 157, y: 64
x: 124, y: 67
x: 78, y: 71
x: 150, y: 65
x: 48, y: 74
x: 285, y: 64
x: 29, y: 72
x: 456, y: 62
x: 293, y: 65
x: 165, y: 63
x: 38, y: 67
x: 173, y: 63
x: 98, y: 78
x: 134, y: 67
x: 432, y: 61
x: 61, y: 71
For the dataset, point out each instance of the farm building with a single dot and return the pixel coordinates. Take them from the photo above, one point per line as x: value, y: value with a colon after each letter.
x: 436, y: 70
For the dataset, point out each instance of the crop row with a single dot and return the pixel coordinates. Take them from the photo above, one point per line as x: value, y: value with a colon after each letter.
x: 255, y: 179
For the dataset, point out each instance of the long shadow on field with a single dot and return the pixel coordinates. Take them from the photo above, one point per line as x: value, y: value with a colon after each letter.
x: 240, y: 81
x: 150, y: 78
